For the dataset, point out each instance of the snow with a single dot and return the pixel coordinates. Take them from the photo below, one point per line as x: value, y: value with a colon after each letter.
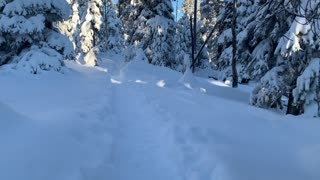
x: 37, y: 60
x: 62, y: 134
x: 21, y: 7
x: 21, y: 25
x: 131, y: 120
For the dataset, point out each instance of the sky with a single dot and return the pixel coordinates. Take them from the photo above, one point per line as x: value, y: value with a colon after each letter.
x: 174, y: 6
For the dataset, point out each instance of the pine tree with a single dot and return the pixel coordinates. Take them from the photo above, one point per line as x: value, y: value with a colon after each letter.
x: 246, y: 12
x: 184, y: 27
x: 90, y: 29
x: 188, y: 7
x: 209, y: 12
x: 183, y: 43
x: 302, y: 51
x: 31, y: 39
x: 71, y: 27
x: 155, y: 31
x: 3, y: 52
x: 129, y: 11
x: 296, y: 52
x: 112, y: 32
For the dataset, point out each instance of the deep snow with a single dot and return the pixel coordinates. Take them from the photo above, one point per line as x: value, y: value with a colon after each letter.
x: 134, y: 121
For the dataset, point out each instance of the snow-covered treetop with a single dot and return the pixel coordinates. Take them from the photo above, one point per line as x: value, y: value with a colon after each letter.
x: 21, y: 25
x: 305, y: 26
x: 164, y: 9
x: 32, y: 7
x: 2, y: 3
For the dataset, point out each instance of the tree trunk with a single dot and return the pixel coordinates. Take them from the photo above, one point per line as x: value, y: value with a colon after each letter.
x: 177, y: 9
x: 234, y: 46
x: 294, y: 108
x: 194, y: 34
x: 318, y: 92
x: 318, y: 103
x: 192, y: 43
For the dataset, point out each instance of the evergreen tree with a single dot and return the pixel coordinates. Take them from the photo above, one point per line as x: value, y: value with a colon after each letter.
x: 129, y: 11
x: 112, y: 33
x: 155, y: 32
x: 71, y: 27
x: 90, y: 29
x: 3, y: 53
x: 209, y: 12
x: 188, y: 7
x: 297, y: 49
x: 182, y: 43
x: 31, y: 39
x: 246, y: 12
x: 184, y: 27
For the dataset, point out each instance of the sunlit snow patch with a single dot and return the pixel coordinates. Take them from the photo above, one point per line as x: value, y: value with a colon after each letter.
x: 102, y: 69
x: 188, y: 85
x: 218, y: 83
x: 115, y: 81
x: 140, y: 81
x: 161, y: 83
x: 203, y: 90
x: 228, y: 82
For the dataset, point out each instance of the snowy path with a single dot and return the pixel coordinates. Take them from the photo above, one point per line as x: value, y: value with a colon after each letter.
x: 140, y: 122
x: 144, y: 148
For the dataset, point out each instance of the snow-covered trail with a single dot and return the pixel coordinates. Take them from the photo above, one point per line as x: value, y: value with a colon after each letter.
x: 134, y: 121
x: 208, y: 130
x: 144, y: 147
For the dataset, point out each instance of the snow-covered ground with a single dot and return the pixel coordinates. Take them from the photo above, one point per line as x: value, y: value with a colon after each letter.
x: 134, y: 121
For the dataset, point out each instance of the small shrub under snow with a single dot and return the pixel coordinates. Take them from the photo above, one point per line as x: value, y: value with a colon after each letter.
x: 37, y: 61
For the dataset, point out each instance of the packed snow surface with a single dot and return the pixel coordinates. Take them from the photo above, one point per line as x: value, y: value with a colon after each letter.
x: 134, y: 121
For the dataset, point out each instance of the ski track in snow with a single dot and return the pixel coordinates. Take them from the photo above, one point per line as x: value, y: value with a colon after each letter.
x: 143, y: 146
x: 133, y: 121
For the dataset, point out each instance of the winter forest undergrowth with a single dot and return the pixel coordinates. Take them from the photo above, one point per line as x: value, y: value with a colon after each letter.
x: 159, y: 89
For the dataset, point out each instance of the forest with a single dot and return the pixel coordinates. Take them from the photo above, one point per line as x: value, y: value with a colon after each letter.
x: 159, y: 89
x: 274, y: 44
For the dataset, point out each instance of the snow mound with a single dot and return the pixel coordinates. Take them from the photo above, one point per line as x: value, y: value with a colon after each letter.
x: 37, y: 61
x: 9, y: 118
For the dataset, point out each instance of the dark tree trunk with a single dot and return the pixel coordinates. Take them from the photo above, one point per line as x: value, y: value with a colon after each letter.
x: 177, y: 9
x: 294, y: 108
x: 318, y: 93
x: 194, y: 34
x: 192, y: 43
x: 234, y: 46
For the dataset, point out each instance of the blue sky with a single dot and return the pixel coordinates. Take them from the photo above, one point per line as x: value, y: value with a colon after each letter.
x: 174, y: 6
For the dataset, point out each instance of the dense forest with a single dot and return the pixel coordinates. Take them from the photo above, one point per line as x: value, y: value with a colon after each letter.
x: 273, y: 44
x: 159, y: 89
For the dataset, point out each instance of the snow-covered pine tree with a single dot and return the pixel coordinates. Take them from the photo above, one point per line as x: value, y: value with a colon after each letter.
x: 155, y: 32
x: 209, y: 10
x: 297, y: 50
x: 90, y: 29
x: 2, y: 4
x: 31, y: 39
x: 188, y: 7
x: 129, y: 11
x: 112, y: 35
x: 307, y: 87
x: 271, y: 23
x: 305, y: 34
x: 184, y: 28
x: 2, y: 38
x: 183, y: 42
x: 71, y: 27
x: 246, y: 11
